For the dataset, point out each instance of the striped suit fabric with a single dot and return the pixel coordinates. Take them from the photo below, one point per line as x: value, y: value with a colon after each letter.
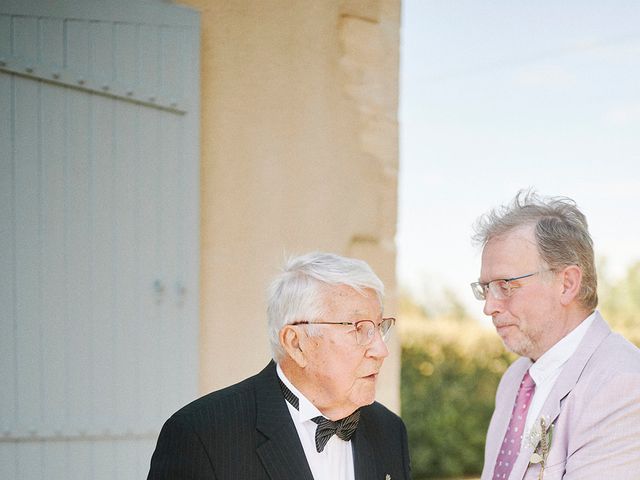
x: 245, y: 432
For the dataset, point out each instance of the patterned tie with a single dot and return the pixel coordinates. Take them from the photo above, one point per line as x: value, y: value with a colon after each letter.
x: 510, y: 447
x: 343, y: 428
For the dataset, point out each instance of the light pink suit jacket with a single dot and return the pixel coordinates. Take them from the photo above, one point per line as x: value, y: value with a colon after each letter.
x: 594, y: 407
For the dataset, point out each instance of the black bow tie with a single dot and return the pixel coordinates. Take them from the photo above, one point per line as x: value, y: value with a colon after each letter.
x: 343, y: 428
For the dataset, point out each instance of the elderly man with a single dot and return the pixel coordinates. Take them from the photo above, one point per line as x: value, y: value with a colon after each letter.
x: 569, y: 408
x: 310, y: 414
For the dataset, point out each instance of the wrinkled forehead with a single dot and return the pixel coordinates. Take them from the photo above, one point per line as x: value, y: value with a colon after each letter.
x: 347, y: 300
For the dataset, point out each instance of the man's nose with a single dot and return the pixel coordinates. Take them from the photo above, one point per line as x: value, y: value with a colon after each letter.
x: 491, y: 304
x: 377, y: 347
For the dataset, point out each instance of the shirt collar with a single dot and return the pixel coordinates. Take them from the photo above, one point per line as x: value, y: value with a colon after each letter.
x: 554, y: 358
x: 306, y: 410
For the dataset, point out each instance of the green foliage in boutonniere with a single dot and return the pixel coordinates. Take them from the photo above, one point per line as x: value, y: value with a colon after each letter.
x: 540, y: 437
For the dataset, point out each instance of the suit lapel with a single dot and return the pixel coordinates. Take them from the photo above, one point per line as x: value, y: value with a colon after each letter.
x: 364, y: 460
x: 281, y: 453
x: 567, y: 380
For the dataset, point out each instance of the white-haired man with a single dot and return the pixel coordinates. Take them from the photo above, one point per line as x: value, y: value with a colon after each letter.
x: 311, y: 413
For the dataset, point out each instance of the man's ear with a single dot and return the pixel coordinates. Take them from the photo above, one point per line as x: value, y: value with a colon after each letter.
x: 571, y: 282
x: 292, y: 342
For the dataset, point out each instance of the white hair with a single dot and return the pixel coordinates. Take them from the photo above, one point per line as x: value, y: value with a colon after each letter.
x: 297, y: 293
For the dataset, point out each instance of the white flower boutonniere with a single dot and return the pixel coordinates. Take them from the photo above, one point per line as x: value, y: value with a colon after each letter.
x: 540, y: 438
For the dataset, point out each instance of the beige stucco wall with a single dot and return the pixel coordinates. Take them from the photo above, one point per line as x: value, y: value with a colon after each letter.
x: 299, y: 152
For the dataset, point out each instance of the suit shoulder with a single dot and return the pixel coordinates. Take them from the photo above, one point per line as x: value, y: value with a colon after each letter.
x: 616, y: 355
x: 381, y: 415
x: 226, y: 403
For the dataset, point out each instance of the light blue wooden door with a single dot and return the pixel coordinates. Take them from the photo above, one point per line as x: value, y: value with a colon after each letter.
x: 99, y: 233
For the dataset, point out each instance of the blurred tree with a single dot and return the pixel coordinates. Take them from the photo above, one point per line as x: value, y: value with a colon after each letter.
x: 620, y: 303
x: 409, y: 308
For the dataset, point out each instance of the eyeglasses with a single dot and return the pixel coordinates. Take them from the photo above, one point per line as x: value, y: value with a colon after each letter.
x: 501, y: 288
x: 365, y: 329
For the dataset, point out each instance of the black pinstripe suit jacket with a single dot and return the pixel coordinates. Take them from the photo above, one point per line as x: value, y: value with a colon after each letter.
x: 245, y: 432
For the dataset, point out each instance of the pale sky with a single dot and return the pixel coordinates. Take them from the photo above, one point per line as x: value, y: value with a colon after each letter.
x: 502, y: 95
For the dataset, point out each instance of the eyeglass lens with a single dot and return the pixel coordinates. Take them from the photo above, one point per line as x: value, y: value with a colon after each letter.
x: 500, y: 289
x: 366, y: 330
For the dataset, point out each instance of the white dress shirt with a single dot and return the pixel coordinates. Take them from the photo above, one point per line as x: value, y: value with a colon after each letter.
x: 335, y: 462
x: 546, y: 370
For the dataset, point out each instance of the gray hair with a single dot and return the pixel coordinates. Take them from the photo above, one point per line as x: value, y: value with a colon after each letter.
x: 297, y: 293
x: 561, y: 232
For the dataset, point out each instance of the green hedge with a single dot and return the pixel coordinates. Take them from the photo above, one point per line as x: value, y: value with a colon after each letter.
x: 449, y: 377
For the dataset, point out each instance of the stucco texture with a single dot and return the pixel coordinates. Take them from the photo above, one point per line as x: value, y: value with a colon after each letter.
x: 299, y: 143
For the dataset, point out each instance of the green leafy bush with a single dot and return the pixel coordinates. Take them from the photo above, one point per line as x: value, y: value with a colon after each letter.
x: 620, y: 303
x: 450, y: 372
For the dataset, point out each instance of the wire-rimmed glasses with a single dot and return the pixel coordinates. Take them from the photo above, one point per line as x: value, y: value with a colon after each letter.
x: 501, y: 288
x: 365, y: 329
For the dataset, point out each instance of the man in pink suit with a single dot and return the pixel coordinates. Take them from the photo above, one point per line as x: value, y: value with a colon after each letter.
x: 569, y: 408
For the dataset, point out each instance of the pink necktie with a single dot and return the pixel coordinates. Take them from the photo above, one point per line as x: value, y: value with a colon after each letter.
x: 510, y: 447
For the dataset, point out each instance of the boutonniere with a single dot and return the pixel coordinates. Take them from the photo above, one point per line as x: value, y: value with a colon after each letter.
x: 540, y: 438
x: 387, y: 477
